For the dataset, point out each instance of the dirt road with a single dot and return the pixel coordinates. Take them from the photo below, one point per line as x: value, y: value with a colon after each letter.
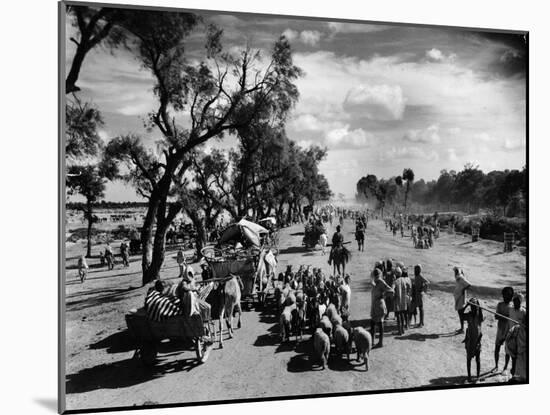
x: 101, y: 372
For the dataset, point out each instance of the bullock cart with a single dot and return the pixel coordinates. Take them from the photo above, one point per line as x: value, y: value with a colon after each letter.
x: 149, y: 334
x: 244, y: 263
x: 312, y: 234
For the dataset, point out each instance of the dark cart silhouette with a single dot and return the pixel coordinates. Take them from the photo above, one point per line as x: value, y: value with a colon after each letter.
x: 149, y: 334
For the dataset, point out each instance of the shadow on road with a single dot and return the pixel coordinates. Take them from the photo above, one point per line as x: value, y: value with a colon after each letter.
x: 449, y: 380
x: 459, y: 380
x: 98, y: 265
x: 424, y: 336
x: 118, y: 342
x: 293, y: 250
x: 267, y: 339
x: 477, y: 290
x: 300, y: 363
x: 123, y: 374
x: 112, y: 297
x: 287, y: 346
x: 340, y: 364
x: 76, y: 280
x: 303, y: 362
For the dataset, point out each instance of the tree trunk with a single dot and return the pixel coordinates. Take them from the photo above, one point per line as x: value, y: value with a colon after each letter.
x: 279, y: 212
x: 199, y: 224
x: 147, y: 237
x: 269, y: 208
x: 72, y: 77
x: 289, y: 213
x: 90, y: 218
x: 164, y: 216
x: 159, y: 249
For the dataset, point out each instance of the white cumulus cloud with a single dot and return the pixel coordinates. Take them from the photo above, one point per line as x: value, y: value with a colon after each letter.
x: 454, y: 131
x: 427, y: 135
x: 307, y: 37
x: 409, y: 153
x: 344, y: 137
x: 437, y: 56
x: 513, y: 144
x: 376, y: 102
x: 337, y: 27
x: 483, y: 137
x: 290, y: 34
x: 306, y: 122
x: 451, y: 154
x: 310, y: 37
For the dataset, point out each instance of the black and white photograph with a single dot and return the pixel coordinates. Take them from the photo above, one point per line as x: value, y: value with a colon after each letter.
x: 260, y: 207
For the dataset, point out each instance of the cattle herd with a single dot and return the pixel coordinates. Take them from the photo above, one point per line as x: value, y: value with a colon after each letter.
x: 308, y: 300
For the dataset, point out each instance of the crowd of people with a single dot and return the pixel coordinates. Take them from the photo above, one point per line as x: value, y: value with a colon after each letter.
x: 106, y: 258
x: 394, y: 291
x: 423, y: 236
x: 511, y: 328
x: 310, y: 299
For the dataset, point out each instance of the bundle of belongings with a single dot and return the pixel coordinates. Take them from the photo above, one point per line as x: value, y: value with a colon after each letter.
x: 267, y: 264
x: 244, y: 232
x: 166, y: 299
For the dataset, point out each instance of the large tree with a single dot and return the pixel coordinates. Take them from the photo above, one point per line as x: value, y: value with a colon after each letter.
x: 367, y: 186
x: 467, y: 187
x: 383, y: 191
x: 315, y: 185
x: 89, y: 182
x: 81, y: 131
x: 94, y: 26
x: 217, y: 95
x: 261, y: 177
x: 82, y: 150
x: 502, y: 191
x: 443, y: 189
x: 408, y: 177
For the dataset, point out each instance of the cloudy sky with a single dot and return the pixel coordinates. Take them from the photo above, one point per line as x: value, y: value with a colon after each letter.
x: 380, y: 98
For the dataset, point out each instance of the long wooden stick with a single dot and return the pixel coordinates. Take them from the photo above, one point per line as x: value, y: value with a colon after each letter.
x: 495, y: 313
x: 343, y: 243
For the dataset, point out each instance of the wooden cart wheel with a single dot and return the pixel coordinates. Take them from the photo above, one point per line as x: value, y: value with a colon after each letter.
x: 148, y: 353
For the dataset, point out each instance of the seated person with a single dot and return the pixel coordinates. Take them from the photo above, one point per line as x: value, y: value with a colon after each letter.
x: 191, y: 303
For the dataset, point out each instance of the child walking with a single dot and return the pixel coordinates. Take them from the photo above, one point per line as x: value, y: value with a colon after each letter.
x: 503, y: 325
x: 472, y: 341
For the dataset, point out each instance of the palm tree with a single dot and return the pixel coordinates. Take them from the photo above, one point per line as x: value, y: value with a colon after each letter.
x: 408, y: 176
